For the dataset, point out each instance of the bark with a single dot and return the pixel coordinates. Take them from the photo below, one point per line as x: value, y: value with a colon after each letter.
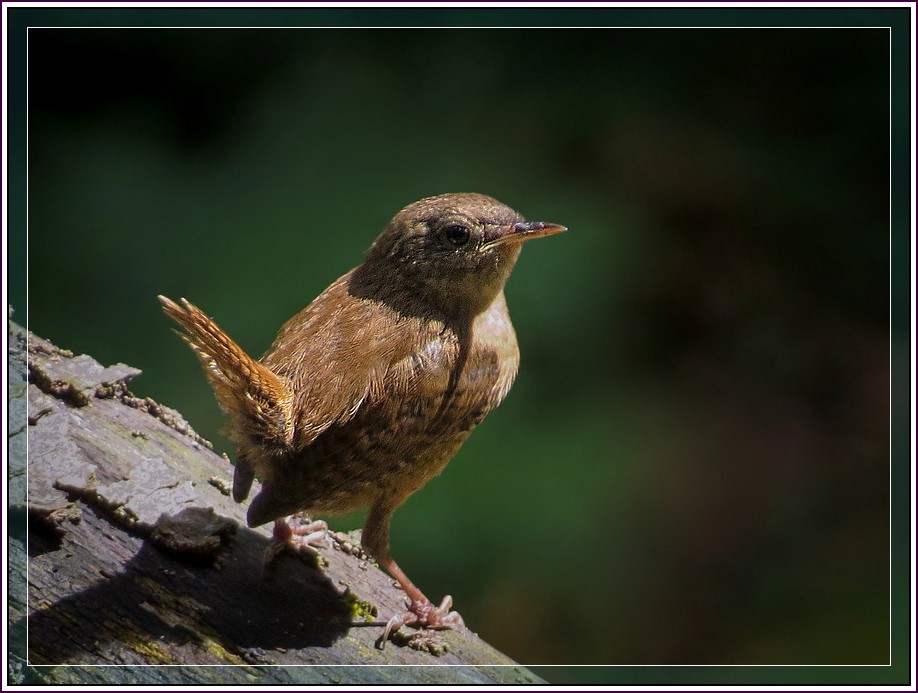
x: 126, y: 549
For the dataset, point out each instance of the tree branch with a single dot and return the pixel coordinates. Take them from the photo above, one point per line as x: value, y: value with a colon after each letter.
x: 125, y: 549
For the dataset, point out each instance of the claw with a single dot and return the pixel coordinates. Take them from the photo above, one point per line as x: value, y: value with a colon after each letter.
x: 308, y: 532
x: 423, y: 614
x: 393, y: 625
x: 297, y: 532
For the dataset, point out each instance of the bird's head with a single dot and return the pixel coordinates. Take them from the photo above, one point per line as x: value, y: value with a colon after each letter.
x: 452, y: 251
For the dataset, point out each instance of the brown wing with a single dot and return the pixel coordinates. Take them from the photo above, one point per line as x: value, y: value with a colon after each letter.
x: 338, y: 355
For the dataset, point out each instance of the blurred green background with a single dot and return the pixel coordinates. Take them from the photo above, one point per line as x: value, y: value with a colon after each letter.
x: 692, y: 467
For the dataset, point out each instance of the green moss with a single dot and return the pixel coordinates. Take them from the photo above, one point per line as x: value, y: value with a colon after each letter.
x: 359, y: 608
x: 174, y: 609
x: 220, y: 652
x: 150, y: 650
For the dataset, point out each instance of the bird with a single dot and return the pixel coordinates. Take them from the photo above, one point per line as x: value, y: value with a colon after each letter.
x: 367, y: 393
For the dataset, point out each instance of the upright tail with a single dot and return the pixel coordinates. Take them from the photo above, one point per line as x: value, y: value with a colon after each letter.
x: 257, y: 401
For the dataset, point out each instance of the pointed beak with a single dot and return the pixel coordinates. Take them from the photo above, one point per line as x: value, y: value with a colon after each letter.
x: 522, y: 231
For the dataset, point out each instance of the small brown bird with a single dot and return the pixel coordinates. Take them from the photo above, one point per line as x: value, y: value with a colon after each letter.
x: 369, y: 391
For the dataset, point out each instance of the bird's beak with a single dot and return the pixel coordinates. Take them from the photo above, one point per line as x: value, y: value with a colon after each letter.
x: 522, y: 231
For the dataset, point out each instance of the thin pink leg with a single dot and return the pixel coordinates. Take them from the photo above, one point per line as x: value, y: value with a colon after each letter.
x: 421, y: 612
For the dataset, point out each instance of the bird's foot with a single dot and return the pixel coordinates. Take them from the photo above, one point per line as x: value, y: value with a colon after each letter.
x: 422, y: 614
x: 299, y: 533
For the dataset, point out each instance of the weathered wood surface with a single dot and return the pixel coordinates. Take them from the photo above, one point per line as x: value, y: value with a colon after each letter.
x: 128, y: 551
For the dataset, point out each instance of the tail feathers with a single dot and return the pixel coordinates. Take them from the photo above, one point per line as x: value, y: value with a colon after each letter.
x: 269, y: 505
x: 258, y: 401
x: 243, y: 474
x: 259, y: 510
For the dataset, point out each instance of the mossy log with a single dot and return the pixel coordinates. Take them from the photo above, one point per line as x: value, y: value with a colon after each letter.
x: 126, y: 549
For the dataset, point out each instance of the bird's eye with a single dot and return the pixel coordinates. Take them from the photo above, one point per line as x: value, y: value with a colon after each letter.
x: 457, y: 234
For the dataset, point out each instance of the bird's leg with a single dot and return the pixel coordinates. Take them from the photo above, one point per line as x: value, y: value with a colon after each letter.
x: 421, y: 612
x: 297, y: 532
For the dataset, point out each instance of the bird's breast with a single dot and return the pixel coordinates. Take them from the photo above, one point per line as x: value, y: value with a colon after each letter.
x: 456, y: 377
x: 410, y: 424
x: 449, y: 391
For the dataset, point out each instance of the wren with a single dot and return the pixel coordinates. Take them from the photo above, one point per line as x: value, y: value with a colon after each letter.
x: 368, y: 392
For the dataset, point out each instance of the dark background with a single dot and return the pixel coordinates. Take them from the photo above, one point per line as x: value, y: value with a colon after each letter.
x: 693, y: 466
